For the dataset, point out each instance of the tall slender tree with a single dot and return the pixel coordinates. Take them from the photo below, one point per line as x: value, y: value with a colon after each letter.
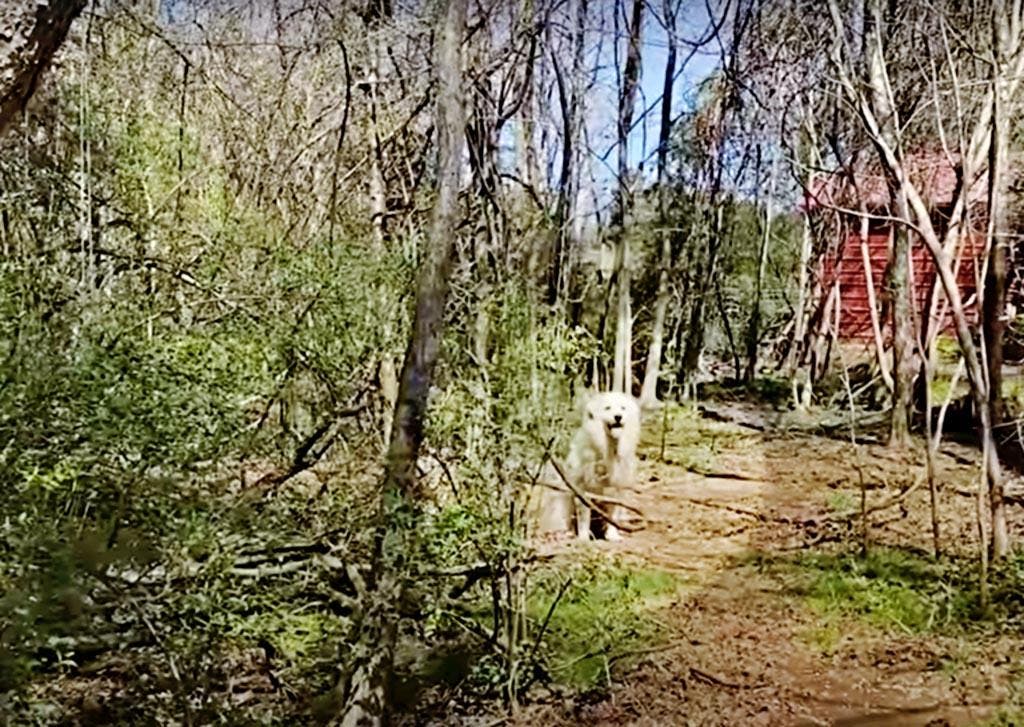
x: 572, y: 105
x: 622, y: 370
x: 363, y: 692
x: 649, y: 387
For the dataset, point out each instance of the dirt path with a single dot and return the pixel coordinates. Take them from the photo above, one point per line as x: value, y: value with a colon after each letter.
x: 742, y: 650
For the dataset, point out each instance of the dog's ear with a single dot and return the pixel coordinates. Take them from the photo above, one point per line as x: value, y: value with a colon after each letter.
x: 581, y: 400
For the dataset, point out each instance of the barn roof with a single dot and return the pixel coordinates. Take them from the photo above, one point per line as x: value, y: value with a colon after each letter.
x: 935, y: 174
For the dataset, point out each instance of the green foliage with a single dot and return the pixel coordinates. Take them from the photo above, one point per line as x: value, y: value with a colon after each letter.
x: 940, y: 389
x: 729, y: 297
x: 603, y: 618
x: 503, y: 402
x: 494, y: 426
x: 948, y: 348
x: 897, y: 590
x: 517, y: 399
x: 694, y: 442
x: 158, y: 329
x: 887, y: 589
x: 295, y: 635
x: 841, y: 502
x: 468, y: 525
x: 1013, y: 393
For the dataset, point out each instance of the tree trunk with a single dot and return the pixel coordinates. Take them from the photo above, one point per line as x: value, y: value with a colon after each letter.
x: 723, y: 313
x: 377, y: 189
x: 754, y: 325
x: 869, y: 283
x: 571, y: 99
x: 378, y: 13
x: 800, y: 373
x: 33, y: 32
x: 622, y: 370
x: 903, y: 366
x: 694, y: 345
x: 994, y: 303
x: 882, y: 102
x: 649, y: 388
x: 362, y: 695
x: 526, y: 128
x: 797, y: 354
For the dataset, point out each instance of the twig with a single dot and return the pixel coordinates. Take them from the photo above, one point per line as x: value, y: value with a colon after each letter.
x: 717, y: 416
x: 708, y: 678
x: 474, y: 628
x: 598, y: 497
x: 743, y: 511
x: 894, y: 500
x: 543, y: 629
x: 586, y: 500
x: 265, y: 571
x: 446, y: 471
x: 478, y: 571
x: 647, y: 650
x: 305, y: 454
x: 723, y: 475
x: 182, y: 696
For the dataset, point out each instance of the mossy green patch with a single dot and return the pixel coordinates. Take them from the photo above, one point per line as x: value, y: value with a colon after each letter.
x: 888, y: 589
x: 682, y: 437
x: 296, y: 635
x: 841, y: 502
x: 605, y: 616
x: 825, y: 636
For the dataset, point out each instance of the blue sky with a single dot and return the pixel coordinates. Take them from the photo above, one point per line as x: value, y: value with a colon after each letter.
x: 693, y: 23
x: 602, y: 112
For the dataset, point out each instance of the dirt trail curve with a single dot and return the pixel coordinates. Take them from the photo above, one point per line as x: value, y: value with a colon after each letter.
x: 740, y: 654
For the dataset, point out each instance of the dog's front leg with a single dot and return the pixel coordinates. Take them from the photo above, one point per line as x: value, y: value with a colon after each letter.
x: 610, y: 531
x: 582, y: 521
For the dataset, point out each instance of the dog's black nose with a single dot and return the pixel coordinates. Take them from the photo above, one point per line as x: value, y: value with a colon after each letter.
x: 618, y: 418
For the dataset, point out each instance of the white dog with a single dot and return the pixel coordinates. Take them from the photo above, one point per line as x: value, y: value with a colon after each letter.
x: 602, y: 457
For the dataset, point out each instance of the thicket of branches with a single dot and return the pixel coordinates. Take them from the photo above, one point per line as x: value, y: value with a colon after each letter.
x: 231, y: 233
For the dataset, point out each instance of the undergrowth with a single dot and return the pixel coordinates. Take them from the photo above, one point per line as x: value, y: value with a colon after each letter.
x: 898, y: 591
x: 604, y: 618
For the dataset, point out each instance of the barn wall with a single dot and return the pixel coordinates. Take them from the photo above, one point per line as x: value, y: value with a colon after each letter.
x: 846, y: 267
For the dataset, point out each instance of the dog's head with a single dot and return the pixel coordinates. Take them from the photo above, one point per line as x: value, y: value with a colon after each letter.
x: 615, y: 411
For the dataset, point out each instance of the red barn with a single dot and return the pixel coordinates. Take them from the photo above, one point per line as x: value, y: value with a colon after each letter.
x: 843, y: 272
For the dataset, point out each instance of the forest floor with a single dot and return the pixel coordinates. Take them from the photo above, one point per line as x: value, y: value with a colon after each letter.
x: 779, y: 621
